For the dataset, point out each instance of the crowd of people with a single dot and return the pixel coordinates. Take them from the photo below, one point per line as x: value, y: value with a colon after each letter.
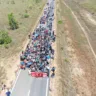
x: 39, y: 51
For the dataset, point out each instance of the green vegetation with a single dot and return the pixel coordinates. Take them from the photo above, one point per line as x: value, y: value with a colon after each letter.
x: 4, y: 38
x: 12, y: 22
x: 60, y: 22
x: 6, y: 46
x: 26, y: 15
x: 66, y: 60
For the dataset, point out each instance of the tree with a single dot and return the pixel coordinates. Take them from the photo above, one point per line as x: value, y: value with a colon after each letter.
x: 26, y: 15
x: 4, y: 38
x: 12, y: 22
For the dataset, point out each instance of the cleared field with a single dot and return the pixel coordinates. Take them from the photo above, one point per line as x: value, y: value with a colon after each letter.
x: 76, y: 65
x: 9, y: 56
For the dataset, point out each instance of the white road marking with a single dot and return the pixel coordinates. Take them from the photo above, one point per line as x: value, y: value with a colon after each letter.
x: 47, y: 87
x: 28, y: 93
x: 85, y: 33
x: 15, y: 81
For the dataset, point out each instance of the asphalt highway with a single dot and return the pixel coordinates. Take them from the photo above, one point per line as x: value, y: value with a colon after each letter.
x: 30, y: 86
x: 26, y: 85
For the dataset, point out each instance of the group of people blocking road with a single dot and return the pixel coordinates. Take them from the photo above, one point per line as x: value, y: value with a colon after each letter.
x: 39, y: 51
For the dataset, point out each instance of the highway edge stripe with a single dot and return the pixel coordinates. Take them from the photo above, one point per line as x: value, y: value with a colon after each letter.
x: 15, y: 81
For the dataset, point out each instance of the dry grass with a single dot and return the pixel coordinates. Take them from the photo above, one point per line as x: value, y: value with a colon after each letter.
x: 19, y: 37
x: 65, y: 85
x: 25, y: 24
x: 90, y: 5
x: 75, y: 67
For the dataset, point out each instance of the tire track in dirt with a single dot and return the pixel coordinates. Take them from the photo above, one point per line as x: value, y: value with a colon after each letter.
x: 84, y: 31
x: 86, y: 83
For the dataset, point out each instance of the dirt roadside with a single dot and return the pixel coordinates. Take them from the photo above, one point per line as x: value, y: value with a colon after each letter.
x: 13, y: 70
x: 74, y: 61
x: 87, y: 20
x: 54, y: 62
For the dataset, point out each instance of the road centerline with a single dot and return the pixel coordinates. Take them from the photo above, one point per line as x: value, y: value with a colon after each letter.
x: 28, y: 93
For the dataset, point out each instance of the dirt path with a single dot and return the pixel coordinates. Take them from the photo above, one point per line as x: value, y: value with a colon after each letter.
x: 90, y: 18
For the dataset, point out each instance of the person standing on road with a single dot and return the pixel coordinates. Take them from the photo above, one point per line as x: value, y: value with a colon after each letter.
x: 8, y: 93
x: 53, y: 69
x: 3, y: 86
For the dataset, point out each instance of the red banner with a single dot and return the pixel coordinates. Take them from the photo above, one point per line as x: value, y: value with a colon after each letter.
x: 44, y: 74
x: 38, y: 74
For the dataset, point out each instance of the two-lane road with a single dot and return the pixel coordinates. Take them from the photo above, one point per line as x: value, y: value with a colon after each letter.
x: 41, y: 87
x: 29, y: 86
x: 26, y: 85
